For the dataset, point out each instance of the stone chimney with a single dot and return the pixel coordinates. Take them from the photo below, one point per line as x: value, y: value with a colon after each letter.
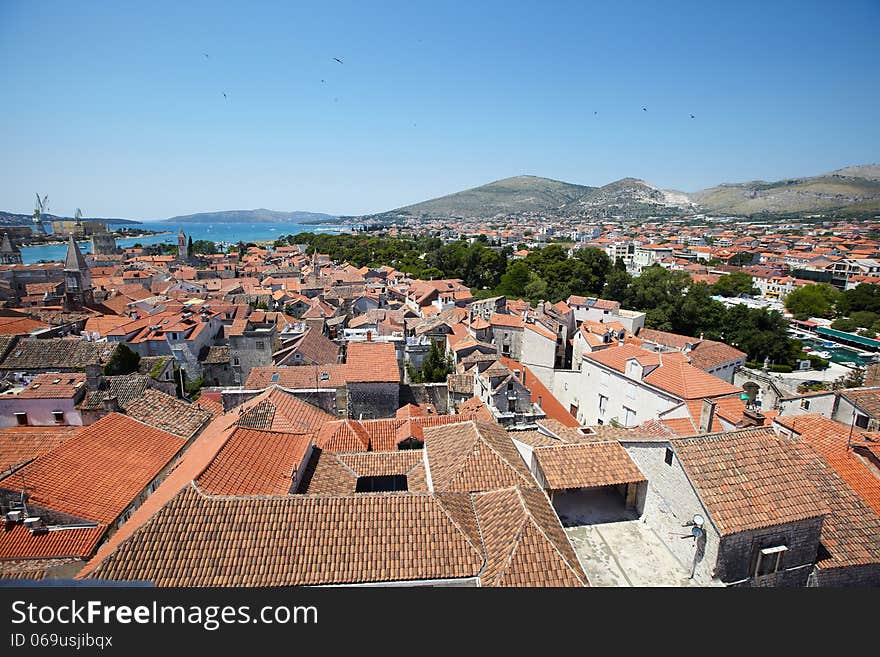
x: 94, y: 376
x: 111, y: 403
x: 707, y: 415
x: 752, y: 418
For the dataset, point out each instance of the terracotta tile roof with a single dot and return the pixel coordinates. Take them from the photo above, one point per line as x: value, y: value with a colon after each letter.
x: 337, y: 474
x: 255, y: 462
x: 54, y: 386
x: 832, y: 441
x: 19, y: 543
x: 217, y: 355
x: 851, y: 529
x: 33, y: 569
x: 587, y: 465
x: 315, y: 348
x: 168, y: 413
x: 313, y: 540
x: 541, y: 395
x: 710, y: 354
x: 57, y: 354
x: 277, y: 410
x: 748, y: 479
x: 343, y: 436
x: 21, y: 444
x: 525, y: 544
x: 126, y: 388
x: 866, y: 399
x: 99, y: 471
x: 474, y: 456
x: 508, y: 321
x: 297, y: 377
x: 371, y: 362
x: 686, y: 381
x: 462, y: 384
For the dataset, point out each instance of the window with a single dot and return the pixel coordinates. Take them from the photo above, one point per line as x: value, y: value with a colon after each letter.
x: 21, y: 418
x: 805, y: 404
x: 603, y: 404
x: 769, y: 560
x: 381, y: 484
x: 260, y: 344
x: 235, y: 361
x: 573, y: 410
x: 629, y: 417
x: 862, y: 421
x: 668, y: 457
x: 58, y: 416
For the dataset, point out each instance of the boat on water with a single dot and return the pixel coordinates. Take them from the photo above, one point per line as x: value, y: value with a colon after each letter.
x: 829, y: 345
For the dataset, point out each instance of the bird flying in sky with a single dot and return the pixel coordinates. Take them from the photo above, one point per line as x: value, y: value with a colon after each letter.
x: 338, y: 60
x: 644, y: 109
x: 692, y: 116
x: 224, y: 96
x: 206, y: 55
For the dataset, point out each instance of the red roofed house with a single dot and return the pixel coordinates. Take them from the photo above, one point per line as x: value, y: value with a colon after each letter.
x: 373, y: 380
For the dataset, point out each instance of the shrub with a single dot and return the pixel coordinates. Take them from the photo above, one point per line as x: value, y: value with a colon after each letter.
x: 782, y: 369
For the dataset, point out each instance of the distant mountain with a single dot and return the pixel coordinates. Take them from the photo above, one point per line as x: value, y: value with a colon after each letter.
x: 853, y: 191
x: 259, y: 216
x: 516, y: 195
x: 629, y: 197
x: 12, y: 219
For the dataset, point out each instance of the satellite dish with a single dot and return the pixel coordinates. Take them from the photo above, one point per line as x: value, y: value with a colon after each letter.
x: 697, y: 532
x: 698, y: 520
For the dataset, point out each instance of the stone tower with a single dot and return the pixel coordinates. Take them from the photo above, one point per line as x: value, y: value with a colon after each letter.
x: 182, y: 255
x: 9, y: 253
x: 77, y: 278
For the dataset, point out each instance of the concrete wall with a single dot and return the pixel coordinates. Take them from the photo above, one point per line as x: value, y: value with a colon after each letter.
x: 822, y: 404
x: 621, y: 392
x: 244, y: 348
x: 537, y: 349
x: 503, y: 335
x: 39, y: 412
x: 669, y: 502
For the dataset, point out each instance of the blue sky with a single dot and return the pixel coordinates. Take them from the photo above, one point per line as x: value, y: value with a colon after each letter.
x: 116, y: 109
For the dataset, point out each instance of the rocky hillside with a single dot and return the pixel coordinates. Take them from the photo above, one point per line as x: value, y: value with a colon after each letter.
x: 853, y: 191
x: 629, y: 197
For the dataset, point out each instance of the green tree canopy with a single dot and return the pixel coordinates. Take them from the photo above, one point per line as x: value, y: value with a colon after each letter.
x: 817, y: 300
x: 735, y: 284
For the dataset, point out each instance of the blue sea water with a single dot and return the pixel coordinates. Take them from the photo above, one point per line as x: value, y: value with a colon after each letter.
x: 230, y: 233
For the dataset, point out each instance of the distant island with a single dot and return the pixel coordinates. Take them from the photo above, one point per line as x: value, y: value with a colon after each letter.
x: 259, y: 216
x: 13, y: 219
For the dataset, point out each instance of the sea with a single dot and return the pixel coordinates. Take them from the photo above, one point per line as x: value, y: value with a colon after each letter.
x: 229, y: 233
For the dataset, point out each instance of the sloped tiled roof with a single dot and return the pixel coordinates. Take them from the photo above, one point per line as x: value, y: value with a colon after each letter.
x: 524, y: 542
x: 587, y: 465
x: 474, y: 456
x: 371, y: 362
x: 57, y: 354
x: 126, y: 388
x: 98, y: 472
x: 748, y: 479
x: 167, y: 413
x: 315, y: 540
x: 297, y: 377
x: 833, y: 442
x: 255, y: 462
x: 21, y: 444
x: 19, y: 543
x: 277, y: 410
x: 54, y: 386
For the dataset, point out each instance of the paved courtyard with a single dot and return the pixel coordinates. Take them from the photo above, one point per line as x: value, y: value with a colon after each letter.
x: 614, y: 547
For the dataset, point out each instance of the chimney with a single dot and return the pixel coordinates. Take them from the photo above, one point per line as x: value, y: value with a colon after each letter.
x: 369, y: 336
x: 707, y: 415
x: 752, y: 418
x: 111, y: 403
x: 94, y: 376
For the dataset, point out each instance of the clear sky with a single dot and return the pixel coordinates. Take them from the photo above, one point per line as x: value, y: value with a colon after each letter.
x: 117, y: 110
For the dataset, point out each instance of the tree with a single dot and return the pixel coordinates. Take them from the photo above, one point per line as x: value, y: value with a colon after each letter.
x: 817, y: 300
x: 513, y: 282
x: 435, y: 368
x: 189, y: 246
x: 536, y: 289
x: 852, y: 379
x: 123, y: 361
x: 864, y: 296
x: 735, y: 284
x: 617, y: 284
x: 205, y: 247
